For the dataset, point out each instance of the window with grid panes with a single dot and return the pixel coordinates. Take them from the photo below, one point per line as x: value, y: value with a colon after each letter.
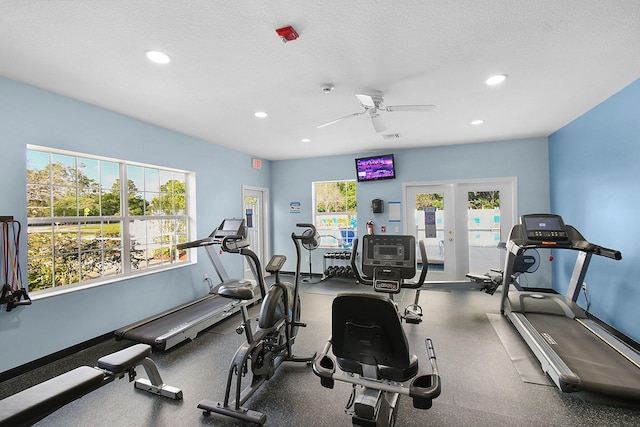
x: 85, y: 226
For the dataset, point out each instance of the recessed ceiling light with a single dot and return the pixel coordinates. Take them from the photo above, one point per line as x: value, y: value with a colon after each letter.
x: 158, y: 57
x: 496, y: 80
x: 477, y: 122
x: 305, y: 140
x: 260, y: 114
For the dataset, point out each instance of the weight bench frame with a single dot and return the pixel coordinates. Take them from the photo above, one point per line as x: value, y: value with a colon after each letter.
x: 35, y: 403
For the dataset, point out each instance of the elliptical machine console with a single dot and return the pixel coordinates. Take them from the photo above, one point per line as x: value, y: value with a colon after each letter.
x: 368, y: 341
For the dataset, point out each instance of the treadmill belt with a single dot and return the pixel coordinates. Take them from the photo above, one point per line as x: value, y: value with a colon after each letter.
x: 148, y: 332
x: 601, y: 368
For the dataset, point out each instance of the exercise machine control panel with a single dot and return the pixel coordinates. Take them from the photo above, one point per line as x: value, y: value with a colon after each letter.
x: 547, y: 227
x: 229, y: 227
x: 275, y: 263
x: 550, y: 231
x: 387, y: 280
x: 389, y: 251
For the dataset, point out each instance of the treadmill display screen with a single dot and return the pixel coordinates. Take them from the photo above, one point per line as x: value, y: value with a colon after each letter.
x: 231, y: 224
x: 543, y: 223
x: 544, y: 227
x: 231, y: 227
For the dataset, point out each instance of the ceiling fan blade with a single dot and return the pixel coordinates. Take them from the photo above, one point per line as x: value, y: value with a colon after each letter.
x: 392, y: 108
x: 378, y: 123
x: 367, y: 101
x: 339, y: 119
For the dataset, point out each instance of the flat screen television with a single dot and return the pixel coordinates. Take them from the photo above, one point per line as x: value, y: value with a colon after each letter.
x: 375, y: 168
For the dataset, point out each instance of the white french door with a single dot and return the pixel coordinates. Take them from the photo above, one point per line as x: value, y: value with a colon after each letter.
x: 255, y: 208
x: 461, y: 224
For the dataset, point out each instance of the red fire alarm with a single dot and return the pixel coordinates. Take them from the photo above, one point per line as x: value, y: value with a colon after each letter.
x: 287, y: 34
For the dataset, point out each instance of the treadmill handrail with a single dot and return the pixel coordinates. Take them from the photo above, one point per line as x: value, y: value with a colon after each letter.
x: 215, y: 237
x: 598, y: 250
x: 233, y: 243
x: 197, y: 243
x: 575, y: 242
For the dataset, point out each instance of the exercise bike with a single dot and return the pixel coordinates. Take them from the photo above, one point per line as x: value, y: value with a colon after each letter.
x: 368, y: 342
x: 271, y: 343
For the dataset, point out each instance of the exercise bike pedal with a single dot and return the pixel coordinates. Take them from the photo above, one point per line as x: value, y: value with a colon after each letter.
x: 413, y: 314
x: 413, y: 320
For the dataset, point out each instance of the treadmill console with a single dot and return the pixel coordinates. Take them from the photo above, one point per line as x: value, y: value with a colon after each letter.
x: 231, y: 227
x: 228, y: 227
x: 544, y: 227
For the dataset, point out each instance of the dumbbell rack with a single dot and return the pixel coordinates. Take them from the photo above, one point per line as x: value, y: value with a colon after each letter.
x: 339, y: 265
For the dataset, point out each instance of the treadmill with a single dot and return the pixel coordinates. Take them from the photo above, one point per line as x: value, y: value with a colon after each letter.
x: 184, y: 322
x: 577, y: 352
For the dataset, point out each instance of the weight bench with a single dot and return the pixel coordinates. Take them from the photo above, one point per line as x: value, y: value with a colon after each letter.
x: 35, y: 403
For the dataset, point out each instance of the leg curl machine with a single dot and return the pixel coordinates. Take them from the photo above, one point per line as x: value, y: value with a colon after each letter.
x: 271, y: 343
x: 369, y: 343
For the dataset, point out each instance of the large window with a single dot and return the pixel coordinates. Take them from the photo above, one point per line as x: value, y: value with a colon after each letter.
x: 84, y: 225
x: 335, y: 215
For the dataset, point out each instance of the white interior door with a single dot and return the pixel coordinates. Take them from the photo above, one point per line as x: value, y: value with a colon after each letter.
x: 256, y: 213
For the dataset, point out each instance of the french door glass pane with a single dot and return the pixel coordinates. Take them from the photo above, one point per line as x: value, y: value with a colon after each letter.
x: 484, y: 230
x: 429, y: 216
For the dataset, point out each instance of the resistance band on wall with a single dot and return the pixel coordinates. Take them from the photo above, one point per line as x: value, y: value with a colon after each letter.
x: 13, y: 293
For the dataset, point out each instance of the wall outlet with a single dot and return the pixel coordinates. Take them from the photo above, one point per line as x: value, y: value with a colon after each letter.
x: 205, y: 277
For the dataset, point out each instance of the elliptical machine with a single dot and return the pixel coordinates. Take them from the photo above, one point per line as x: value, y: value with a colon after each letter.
x: 367, y: 339
x: 271, y: 343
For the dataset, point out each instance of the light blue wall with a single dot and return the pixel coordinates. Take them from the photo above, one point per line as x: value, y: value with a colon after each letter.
x: 595, y: 178
x: 32, y: 116
x: 593, y: 182
x: 526, y: 159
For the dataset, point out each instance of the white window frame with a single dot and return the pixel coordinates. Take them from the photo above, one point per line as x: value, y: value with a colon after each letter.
x: 331, y: 236
x: 126, y: 221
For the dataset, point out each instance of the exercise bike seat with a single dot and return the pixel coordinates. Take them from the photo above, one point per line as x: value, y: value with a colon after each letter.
x: 366, y: 332
x: 273, y: 308
x: 236, y: 289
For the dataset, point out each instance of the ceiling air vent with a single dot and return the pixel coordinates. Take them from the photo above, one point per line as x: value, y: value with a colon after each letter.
x: 391, y: 136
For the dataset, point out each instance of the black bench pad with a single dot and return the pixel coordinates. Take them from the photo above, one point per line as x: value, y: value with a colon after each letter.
x: 33, y: 404
x: 122, y: 360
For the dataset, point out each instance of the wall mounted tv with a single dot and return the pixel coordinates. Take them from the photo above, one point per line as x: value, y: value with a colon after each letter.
x: 375, y: 168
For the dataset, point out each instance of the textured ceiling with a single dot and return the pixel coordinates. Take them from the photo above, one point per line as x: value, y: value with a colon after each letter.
x: 562, y: 57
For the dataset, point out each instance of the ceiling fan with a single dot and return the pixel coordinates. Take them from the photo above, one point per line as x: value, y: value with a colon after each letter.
x: 372, y: 104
